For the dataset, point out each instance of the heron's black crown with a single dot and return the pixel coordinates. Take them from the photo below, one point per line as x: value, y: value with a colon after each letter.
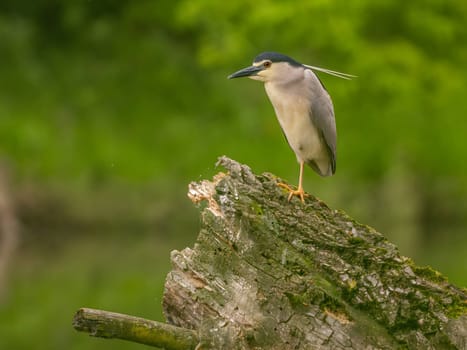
x: 276, y: 57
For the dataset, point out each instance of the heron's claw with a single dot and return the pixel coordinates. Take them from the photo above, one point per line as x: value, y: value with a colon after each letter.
x: 292, y: 192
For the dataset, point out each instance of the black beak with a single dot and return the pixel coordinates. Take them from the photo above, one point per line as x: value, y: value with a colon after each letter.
x: 246, y: 72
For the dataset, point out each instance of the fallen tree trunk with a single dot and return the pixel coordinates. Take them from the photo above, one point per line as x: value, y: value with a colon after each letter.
x: 269, y: 274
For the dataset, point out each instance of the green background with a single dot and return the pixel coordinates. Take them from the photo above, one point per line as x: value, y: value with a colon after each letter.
x: 108, y: 109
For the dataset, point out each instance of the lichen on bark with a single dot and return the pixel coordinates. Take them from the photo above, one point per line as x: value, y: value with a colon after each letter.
x: 270, y: 274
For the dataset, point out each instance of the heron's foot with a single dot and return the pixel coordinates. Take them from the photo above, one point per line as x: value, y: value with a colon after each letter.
x: 294, y: 192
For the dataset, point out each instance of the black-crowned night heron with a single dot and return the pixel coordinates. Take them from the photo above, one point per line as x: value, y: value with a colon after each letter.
x: 303, y: 108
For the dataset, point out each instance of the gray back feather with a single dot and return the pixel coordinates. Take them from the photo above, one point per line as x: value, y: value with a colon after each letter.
x: 322, y: 115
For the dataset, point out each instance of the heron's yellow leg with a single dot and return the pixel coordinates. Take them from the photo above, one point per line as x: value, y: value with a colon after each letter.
x: 299, y: 192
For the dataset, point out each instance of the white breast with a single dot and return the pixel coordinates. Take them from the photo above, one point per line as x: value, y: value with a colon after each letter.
x: 293, y: 112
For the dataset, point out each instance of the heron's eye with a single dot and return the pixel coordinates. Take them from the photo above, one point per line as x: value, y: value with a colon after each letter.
x: 267, y: 64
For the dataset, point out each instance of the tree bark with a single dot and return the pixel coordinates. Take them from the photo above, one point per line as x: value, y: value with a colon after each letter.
x: 9, y: 232
x: 105, y: 324
x: 266, y: 273
x: 270, y: 274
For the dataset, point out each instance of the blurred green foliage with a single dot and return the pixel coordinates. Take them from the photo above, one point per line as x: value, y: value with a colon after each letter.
x: 121, y: 94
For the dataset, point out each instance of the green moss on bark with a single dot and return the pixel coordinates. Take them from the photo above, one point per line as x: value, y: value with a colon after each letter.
x: 310, y: 276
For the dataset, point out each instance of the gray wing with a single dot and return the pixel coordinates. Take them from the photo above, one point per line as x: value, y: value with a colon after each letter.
x: 322, y: 115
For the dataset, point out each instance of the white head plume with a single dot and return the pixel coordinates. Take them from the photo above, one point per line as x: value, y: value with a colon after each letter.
x: 331, y: 72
